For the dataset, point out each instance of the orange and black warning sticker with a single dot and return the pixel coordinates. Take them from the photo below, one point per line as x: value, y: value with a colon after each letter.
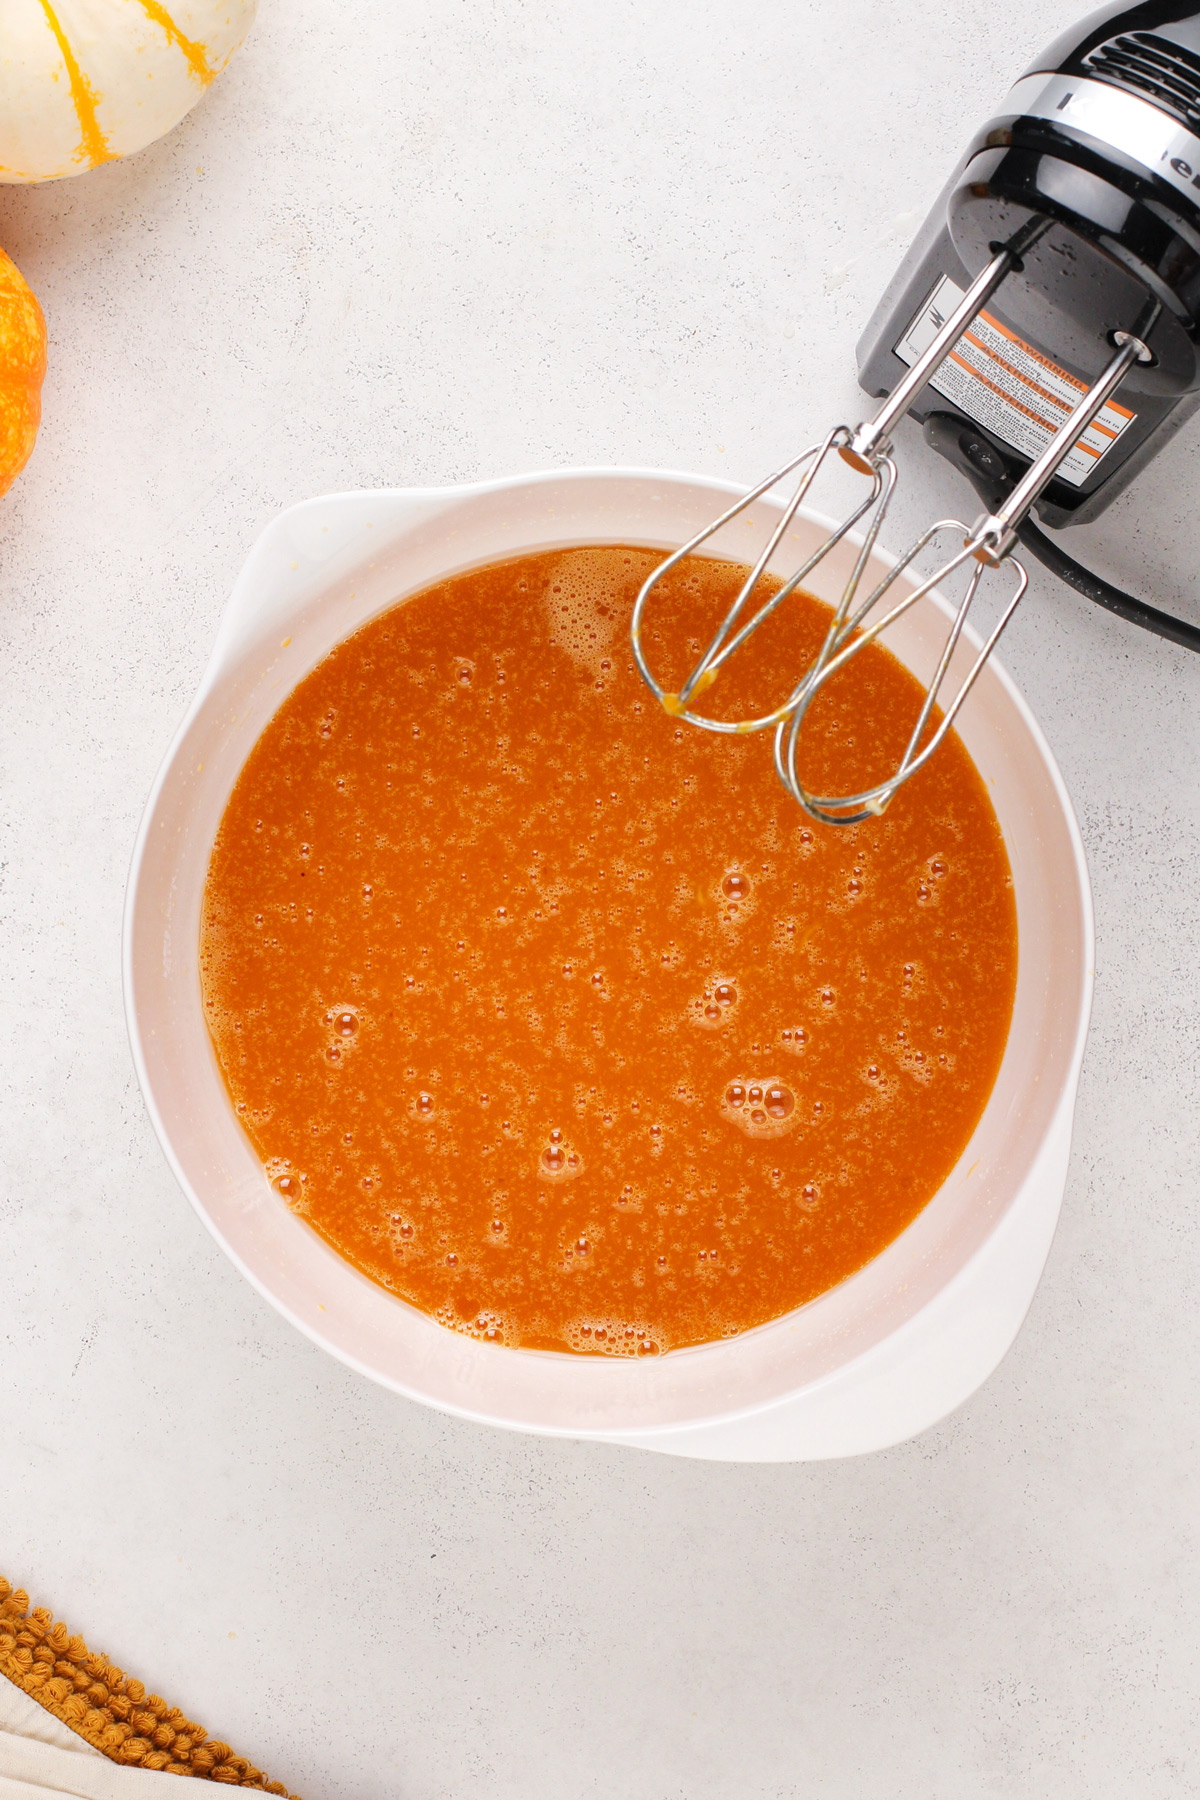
x: 1009, y: 388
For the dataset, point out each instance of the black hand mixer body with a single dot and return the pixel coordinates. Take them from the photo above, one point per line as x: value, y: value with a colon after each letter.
x: 1094, y: 158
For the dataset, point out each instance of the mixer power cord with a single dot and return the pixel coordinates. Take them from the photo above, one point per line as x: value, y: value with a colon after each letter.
x: 985, y: 469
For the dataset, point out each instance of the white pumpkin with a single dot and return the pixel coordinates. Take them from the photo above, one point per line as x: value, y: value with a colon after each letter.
x: 84, y: 81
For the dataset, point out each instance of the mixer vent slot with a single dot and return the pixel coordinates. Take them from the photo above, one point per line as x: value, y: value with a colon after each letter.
x: 1152, y: 66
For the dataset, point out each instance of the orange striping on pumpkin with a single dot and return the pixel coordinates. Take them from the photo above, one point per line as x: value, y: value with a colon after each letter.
x: 194, y: 53
x: 93, y: 145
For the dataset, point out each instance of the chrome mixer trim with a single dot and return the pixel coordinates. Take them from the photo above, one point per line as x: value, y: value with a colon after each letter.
x: 1135, y: 127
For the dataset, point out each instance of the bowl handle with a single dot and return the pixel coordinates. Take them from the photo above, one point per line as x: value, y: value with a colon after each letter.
x: 308, y: 549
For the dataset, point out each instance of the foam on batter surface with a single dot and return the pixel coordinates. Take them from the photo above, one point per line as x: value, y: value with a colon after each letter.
x: 555, y: 1016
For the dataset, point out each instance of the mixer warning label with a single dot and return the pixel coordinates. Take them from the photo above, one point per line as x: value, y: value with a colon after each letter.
x: 1008, y: 387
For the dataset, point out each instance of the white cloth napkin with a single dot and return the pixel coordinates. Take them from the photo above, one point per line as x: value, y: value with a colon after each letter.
x: 40, y: 1757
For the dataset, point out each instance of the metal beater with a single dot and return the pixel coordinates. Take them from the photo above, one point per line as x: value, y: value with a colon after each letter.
x: 1093, y: 277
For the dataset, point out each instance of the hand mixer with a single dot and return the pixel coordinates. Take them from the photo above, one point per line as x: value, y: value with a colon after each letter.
x: 1060, y: 263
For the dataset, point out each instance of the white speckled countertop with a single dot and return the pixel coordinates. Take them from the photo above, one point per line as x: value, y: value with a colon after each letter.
x: 421, y: 242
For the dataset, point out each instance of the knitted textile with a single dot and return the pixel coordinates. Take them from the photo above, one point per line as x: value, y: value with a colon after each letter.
x: 110, y: 1710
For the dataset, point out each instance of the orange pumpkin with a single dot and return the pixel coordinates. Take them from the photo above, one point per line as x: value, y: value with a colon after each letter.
x: 22, y: 367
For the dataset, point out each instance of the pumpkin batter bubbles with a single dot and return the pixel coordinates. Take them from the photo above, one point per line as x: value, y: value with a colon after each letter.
x: 557, y: 1018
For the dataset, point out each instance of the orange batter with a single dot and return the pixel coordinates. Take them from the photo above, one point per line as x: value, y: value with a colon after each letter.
x: 556, y: 1016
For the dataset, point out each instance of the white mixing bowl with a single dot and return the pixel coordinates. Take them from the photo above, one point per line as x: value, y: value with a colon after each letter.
x: 883, y: 1355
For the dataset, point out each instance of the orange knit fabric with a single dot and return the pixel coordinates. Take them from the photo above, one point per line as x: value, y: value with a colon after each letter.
x: 108, y: 1708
